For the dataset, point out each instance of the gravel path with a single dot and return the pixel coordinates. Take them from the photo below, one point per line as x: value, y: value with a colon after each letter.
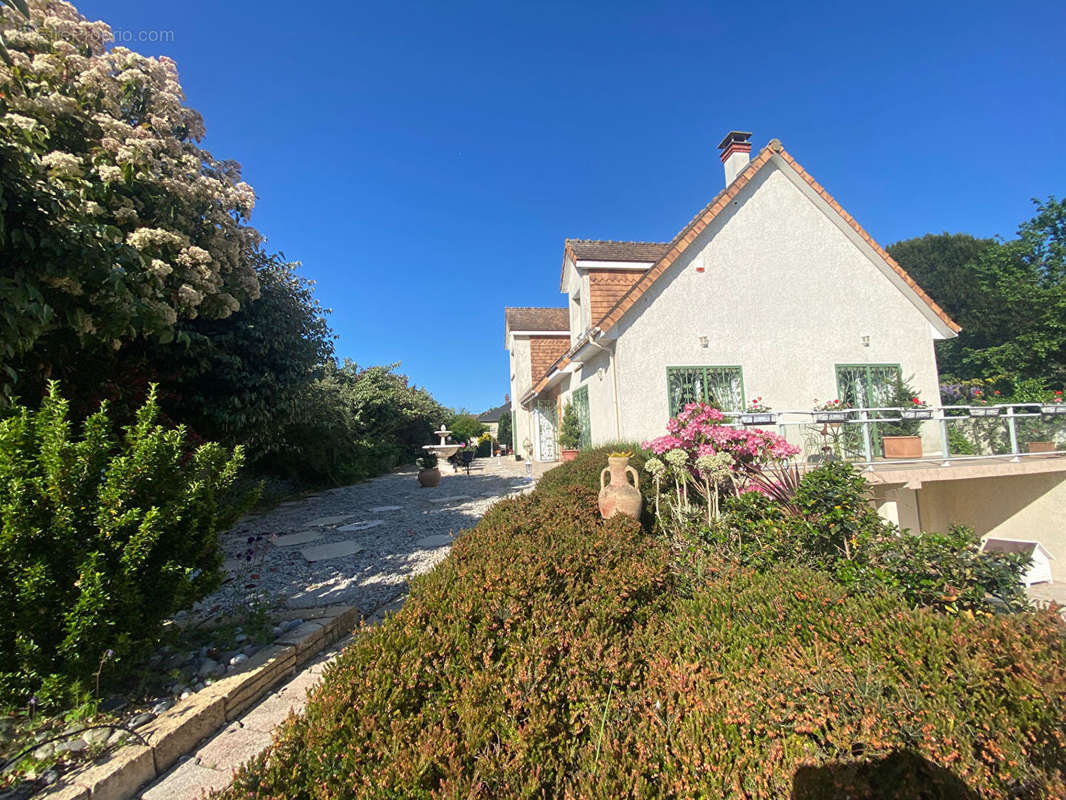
x: 358, y: 545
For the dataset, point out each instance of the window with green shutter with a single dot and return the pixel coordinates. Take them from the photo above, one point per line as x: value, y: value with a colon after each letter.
x: 720, y: 386
x: 580, y: 399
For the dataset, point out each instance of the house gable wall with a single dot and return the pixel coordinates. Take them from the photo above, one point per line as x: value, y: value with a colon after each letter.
x: 784, y: 294
x: 606, y: 287
x: 545, y: 351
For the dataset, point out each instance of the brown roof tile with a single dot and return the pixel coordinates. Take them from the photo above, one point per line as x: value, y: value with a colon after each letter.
x: 537, y: 319
x: 594, y: 250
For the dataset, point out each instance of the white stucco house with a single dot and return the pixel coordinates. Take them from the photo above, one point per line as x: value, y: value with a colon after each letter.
x: 772, y: 290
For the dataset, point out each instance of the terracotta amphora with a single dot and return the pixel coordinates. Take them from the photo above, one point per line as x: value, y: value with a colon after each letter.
x: 618, y: 496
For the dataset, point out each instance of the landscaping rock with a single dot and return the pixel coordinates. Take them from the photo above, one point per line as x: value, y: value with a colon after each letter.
x: 96, y: 735
x: 161, y: 706
x: 116, y: 737
x: 73, y: 746
x: 141, y: 719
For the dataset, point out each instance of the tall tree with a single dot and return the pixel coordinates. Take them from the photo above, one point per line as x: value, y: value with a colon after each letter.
x: 1018, y: 325
x: 114, y: 223
x: 1009, y: 297
x: 944, y: 265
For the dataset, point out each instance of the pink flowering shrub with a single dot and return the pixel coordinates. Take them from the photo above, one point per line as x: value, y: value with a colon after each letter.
x: 698, y: 431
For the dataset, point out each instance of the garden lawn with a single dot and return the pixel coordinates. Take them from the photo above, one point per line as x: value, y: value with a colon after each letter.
x: 556, y: 655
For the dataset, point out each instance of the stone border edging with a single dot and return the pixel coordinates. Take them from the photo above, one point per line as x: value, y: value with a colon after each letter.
x: 178, y: 730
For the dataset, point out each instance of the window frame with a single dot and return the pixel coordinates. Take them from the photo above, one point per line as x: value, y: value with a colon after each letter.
x: 737, y: 368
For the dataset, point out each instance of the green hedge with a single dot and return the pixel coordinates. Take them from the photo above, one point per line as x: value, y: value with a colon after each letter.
x: 553, y: 655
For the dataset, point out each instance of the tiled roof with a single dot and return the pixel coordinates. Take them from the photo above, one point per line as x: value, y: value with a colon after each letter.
x: 596, y: 250
x: 700, y: 222
x: 494, y: 414
x: 537, y: 319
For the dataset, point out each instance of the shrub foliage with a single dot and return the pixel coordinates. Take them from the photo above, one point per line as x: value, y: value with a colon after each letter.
x: 100, y: 539
x: 830, y: 525
x: 557, y: 655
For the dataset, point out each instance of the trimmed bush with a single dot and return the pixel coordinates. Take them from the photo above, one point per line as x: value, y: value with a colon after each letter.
x: 828, y: 524
x: 100, y: 540
x: 494, y: 673
x: 554, y: 655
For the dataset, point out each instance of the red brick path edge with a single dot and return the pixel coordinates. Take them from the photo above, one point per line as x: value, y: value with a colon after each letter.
x: 179, y: 730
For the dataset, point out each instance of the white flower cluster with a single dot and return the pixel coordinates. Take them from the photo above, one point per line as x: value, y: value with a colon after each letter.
x: 137, y: 152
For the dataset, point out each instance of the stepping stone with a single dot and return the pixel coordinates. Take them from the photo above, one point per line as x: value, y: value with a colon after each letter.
x: 361, y: 526
x: 451, y: 499
x: 379, y: 509
x: 303, y: 537
x: 332, y: 550
x: 323, y: 521
x: 432, y: 542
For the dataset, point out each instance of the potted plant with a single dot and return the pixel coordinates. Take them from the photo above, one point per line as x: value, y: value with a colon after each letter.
x: 1055, y: 407
x: 829, y: 412
x: 758, y: 413
x: 980, y: 407
x: 428, y: 474
x: 900, y: 439
x: 570, y: 432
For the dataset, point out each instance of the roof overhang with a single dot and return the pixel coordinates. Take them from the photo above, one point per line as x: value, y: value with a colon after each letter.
x: 587, y: 263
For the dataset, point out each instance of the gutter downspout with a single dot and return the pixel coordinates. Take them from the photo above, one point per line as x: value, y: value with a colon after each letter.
x: 614, y: 379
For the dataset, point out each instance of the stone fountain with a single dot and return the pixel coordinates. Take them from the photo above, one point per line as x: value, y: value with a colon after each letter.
x: 443, y: 451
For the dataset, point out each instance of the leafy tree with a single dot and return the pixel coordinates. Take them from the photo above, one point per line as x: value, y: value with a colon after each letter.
x: 944, y: 265
x: 241, y: 379
x: 504, y: 433
x: 114, y: 223
x: 1009, y: 297
x: 465, y: 426
x: 1019, y: 305
x: 353, y: 423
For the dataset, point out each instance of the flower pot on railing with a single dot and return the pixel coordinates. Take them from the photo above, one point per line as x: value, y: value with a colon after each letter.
x: 832, y: 417
x: 758, y: 419
x: 902, y: 446
x: 916, y: 413
x: 1042, y: 447
x: 988, y: 411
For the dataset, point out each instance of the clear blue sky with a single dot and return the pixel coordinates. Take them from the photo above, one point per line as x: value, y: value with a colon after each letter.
x: 425, y: 161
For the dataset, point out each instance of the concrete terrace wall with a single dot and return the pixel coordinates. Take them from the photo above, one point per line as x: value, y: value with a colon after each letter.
x: 1029, y: 507
x: 785, y: 294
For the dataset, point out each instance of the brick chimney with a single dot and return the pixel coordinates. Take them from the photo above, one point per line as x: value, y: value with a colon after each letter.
x: 736, y: 152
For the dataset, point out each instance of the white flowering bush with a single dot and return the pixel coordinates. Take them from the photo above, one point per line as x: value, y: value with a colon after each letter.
x: 115, y: 223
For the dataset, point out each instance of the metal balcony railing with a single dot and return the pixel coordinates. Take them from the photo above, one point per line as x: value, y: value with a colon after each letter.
x: 1012, y: 431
